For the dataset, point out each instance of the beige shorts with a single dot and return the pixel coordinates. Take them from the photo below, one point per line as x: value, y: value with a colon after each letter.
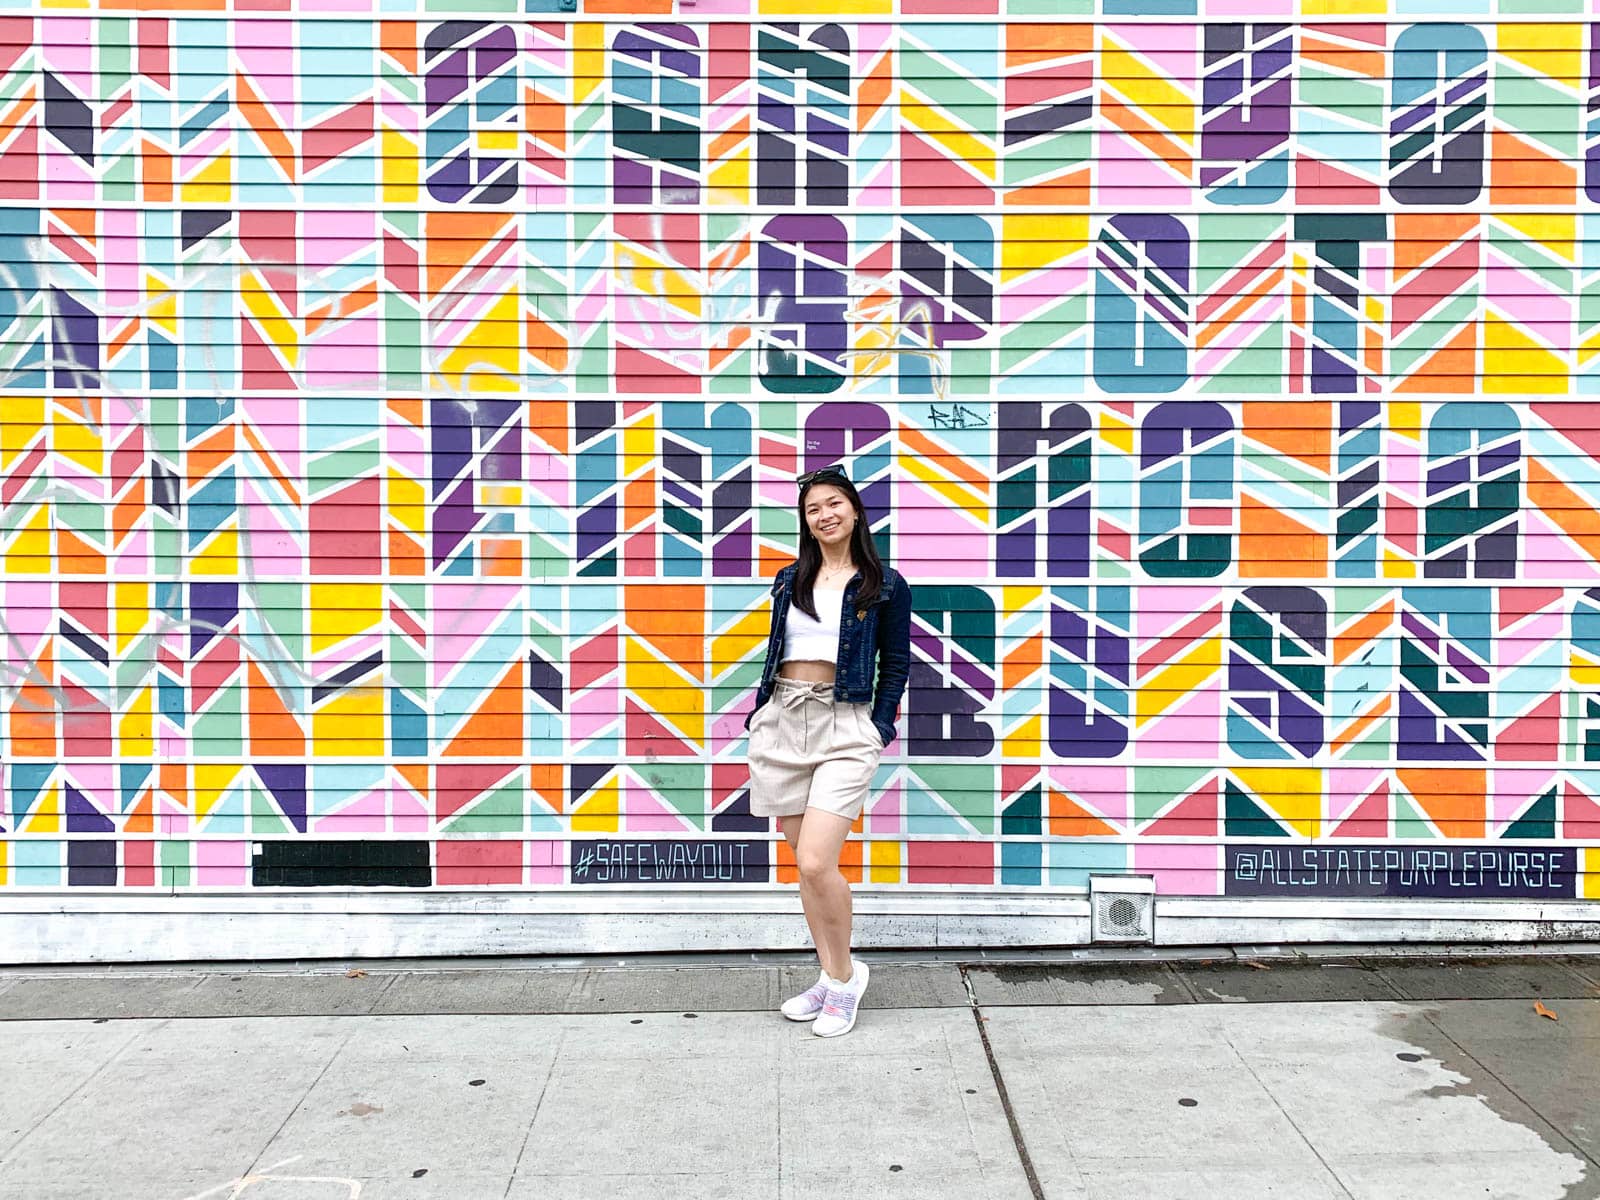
x: 809, y: 751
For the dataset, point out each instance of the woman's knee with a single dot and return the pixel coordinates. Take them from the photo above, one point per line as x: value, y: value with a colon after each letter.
x: 816, y: 866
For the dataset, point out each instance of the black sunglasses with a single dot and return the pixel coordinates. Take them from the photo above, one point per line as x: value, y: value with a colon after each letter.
x: 834, y: 472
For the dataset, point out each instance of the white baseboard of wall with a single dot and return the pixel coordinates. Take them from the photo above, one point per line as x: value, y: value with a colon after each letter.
x: 56, y: 928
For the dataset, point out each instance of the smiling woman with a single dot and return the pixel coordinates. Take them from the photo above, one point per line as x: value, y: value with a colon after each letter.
x: 821, y: 719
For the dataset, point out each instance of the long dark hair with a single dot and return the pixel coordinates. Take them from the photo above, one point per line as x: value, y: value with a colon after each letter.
x: 862, y: 548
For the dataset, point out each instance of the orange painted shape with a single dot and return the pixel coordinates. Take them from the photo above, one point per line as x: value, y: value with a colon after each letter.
x: 1454, y: 798
x: 1272, y: 543
x: 453, y: 239
x: 546, y: 118
x: 1071, y: 188
x: 128, y: 512
x: 1027, y: 45
x: 74, y: 556
x: 272, y: 727
x: 955, y: 464
x: 33, y: 719
x: 405, y: 555
x: 1565, y: 507
x: 549, y: 781
x: 1301, y: 430
x: 142, y: 817
x: 1450, y: 369
x: 1364, y: 630
x: 81, y: 221
x: 416, y: 774
x: 550, y: 420
x: 259, y: 117
x: 399, y: 41
x: 849, y: 858
x: 155, y: 164
x: 1164, y: 147
x: 546, y: 343
x: 1068, y: 818
x: 1419, y: 237
x: 1023, y: 661
x: 1523, y: 173
x: 1362, y: 723
x: 671, y: 617
x: 496, y: 728
x: 409, y: 411
x: 211, y: 452
x: 874, y: 90
x: 502, y: 557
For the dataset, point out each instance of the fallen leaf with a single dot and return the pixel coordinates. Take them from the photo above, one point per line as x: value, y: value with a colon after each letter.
x: 1259, y: 966
x: 355, y: 973
x: 1547, y: 1013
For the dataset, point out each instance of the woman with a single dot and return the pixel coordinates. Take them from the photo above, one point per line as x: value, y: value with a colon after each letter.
x: 820, y: 723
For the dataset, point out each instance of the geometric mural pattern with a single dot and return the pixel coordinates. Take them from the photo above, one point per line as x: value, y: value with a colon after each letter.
x: 399, y: 418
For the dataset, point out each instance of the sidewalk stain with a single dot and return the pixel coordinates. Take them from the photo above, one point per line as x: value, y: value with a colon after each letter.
x: 1487, y: 1101
x: 360, y: 1109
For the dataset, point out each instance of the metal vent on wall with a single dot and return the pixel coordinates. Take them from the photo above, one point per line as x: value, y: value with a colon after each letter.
x: 1122, y: 908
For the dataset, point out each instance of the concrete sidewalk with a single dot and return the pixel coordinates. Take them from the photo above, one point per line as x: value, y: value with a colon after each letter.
x: 1283, y: 1076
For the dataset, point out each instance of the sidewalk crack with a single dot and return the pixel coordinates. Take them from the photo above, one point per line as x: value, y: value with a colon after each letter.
x: 1017, y: 1140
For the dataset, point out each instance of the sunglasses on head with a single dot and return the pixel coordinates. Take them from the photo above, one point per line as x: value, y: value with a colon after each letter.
x: 836, y: 471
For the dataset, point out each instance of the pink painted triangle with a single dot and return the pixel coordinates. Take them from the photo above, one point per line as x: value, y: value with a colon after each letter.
x: 1369, y: 818
x: 1196, y: 815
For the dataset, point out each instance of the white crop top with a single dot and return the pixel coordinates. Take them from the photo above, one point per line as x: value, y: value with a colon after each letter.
x: 816, y: 641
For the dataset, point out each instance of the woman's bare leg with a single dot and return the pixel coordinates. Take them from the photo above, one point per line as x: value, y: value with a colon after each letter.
x: 817, y: 839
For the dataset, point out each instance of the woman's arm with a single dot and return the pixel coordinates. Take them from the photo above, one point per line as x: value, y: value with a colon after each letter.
x: 894, y: 658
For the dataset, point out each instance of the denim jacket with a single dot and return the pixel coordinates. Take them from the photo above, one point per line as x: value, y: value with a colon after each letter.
x: 879, y: 633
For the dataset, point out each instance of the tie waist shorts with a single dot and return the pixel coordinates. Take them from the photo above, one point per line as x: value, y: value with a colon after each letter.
x: 807, y: 750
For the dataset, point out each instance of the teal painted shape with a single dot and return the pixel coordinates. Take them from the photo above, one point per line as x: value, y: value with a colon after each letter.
x: 1538, y: 820
x: 1071, y: 863
x: 1243, y: 817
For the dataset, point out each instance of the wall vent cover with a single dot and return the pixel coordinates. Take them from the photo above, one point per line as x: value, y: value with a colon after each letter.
x: 1122, y: 908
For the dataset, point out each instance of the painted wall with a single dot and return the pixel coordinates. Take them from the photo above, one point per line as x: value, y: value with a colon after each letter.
x: 400, y: 410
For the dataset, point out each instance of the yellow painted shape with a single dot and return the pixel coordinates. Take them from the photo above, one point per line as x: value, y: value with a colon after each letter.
x: 1396, y: 567
x: 23, y: 423
x: 729, y: 180
x: 832, y: 8
x: 211, y: 184
x: 407, y: 502
x: 402, y: 167
x: 1293, y: 793
x: 46, y: 814
x: 1373, y: 308
x: 638, y: 445
x: 262, y: 304
x: 29, y: 553
x: 736, y: 642
x: 589, y: 72
x: 1015, y: 597
x: 1116, y: 433
x: 1556, y: 232
x: 161, y: 303
x: 1175, y: 681
x: 343, y: 610
x: 219, y: 556
x: 954, y: 494
x: 5, y: 870
x: 130, y: 600
x: 973, y: 152
x: 600, y: 813
x: 489, y: 354
x: 1584, y: 670
x: 74, y: 440
x: 1164, y: 103
x: 883, y: 862
x: 350, y: 726
x: 1544, y: 49
x: 496, y: 141
x: 1024, y: 741
x: 136, y: 726
x: 1514, y: 363
x: 1339, y: 8
x: 1588, y: 348
x: 1405, y: 419
x: 1589, y: 881
x: 1031, y: 242
x: 211, y: 783
x: 650, y: 276
x: 664, y: 690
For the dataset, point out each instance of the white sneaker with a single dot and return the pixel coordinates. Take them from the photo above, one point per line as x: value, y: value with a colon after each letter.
x: 839, y: 1007
x: 808, y: 1003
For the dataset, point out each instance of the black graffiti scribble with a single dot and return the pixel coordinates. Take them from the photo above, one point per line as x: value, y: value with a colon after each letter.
x: 956, y: 416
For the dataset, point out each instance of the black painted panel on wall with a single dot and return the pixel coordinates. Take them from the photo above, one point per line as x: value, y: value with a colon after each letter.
x: 342, y: 864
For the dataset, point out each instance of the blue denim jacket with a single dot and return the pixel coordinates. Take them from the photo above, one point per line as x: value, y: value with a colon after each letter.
x: 879, y: 633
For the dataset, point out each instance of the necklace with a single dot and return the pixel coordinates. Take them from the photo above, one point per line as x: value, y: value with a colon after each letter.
x: 830, y: 572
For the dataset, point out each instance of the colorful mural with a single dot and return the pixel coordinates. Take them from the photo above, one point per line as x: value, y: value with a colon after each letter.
x: 399, y: 410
